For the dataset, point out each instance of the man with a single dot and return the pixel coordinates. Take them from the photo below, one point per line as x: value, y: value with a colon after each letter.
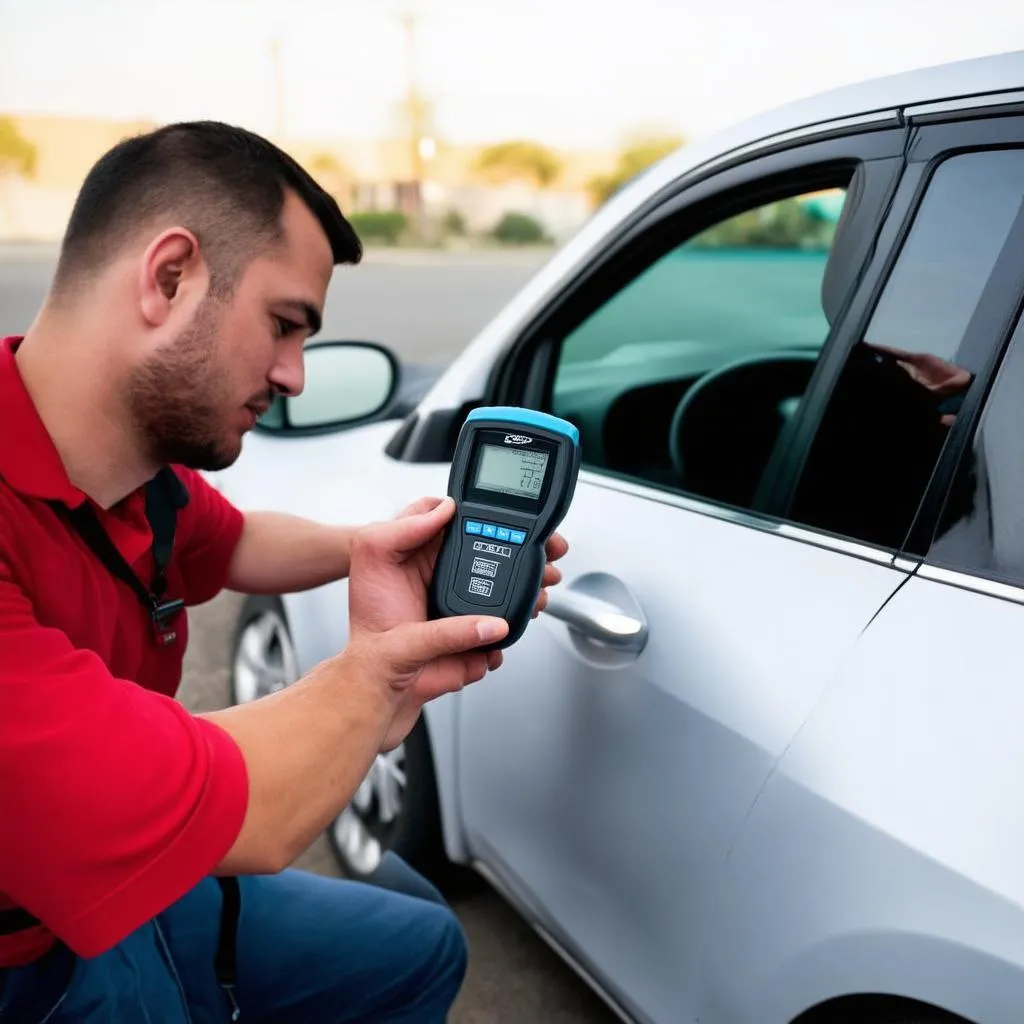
x: 194, y: 267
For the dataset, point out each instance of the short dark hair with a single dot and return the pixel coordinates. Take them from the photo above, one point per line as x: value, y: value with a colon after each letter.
x: 225, y: 184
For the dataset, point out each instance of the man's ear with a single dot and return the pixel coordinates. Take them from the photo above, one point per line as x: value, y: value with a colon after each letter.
x: 169, y: 262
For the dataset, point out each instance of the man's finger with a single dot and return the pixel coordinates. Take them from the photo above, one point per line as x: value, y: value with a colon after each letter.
x: 552, y: 575
x: 557, y: 547
x: 415, y: 644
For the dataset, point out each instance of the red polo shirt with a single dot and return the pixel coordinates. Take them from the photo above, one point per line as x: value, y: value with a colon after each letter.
x: 114, y: 800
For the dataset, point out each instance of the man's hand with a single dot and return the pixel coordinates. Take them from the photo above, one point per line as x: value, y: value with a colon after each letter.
x: 392, y: 566
x: 390, y: 635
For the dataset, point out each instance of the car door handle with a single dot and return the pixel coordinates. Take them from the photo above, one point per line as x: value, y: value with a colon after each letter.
x: 600, y: 609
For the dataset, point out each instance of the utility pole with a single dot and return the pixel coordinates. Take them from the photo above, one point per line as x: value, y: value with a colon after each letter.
x: 276, y: 59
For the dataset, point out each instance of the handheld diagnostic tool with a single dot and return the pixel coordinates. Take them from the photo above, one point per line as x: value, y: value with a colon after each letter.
x: 512, y: 478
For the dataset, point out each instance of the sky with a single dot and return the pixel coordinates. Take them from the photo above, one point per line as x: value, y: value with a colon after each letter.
x: 579, y: 73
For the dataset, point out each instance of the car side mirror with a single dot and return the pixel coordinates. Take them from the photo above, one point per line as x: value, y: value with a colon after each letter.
x: 347, y: 383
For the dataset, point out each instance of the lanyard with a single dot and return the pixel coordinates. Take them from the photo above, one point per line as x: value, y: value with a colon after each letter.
x: 164, y: 496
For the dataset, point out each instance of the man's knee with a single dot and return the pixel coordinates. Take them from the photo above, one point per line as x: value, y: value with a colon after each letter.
x: 451, y: 949
x: 397, y: 875
x: 445, y: 959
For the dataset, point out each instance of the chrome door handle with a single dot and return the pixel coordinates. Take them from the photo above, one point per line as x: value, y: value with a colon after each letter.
x: 600, y: 609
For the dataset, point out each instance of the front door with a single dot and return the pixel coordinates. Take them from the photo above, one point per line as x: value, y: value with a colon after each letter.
x: 606, y: 770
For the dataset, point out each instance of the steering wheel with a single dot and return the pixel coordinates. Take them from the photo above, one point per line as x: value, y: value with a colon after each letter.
x: 726, y: 426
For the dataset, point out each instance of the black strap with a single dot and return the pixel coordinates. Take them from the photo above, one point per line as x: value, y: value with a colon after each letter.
x: 165, y: 494
x: 224, y: 963
x: 16, y: 920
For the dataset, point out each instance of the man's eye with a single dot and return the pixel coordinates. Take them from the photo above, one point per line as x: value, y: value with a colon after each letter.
x: 285, y: 327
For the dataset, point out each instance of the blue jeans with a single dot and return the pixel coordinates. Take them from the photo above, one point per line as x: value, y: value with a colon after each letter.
x: 310, y: 949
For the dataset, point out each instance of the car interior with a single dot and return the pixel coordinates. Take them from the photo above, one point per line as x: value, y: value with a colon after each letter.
x: 704, y: 414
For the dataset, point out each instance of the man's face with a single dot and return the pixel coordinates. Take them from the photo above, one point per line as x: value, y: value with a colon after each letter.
x: 197, y: 396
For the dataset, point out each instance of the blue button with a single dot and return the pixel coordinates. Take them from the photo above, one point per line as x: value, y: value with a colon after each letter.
x: 472, y: 527
x: 489, y: 529
x: 516, y: 536
x: 502, y: 533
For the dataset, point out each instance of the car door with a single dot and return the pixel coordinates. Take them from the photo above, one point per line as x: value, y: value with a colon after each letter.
x: 714, y: 361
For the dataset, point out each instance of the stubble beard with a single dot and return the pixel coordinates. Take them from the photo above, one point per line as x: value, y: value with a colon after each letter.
x: 178, y: 400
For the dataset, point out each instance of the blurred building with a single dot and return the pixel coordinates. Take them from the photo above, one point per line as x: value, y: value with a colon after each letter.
x: 364, y: 175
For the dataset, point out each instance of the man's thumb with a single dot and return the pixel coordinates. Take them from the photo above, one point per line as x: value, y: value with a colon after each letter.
x: 414, y: 644
x: 415, y: 527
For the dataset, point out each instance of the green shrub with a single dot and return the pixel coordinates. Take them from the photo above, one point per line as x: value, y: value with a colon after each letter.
x: 384, y: 226
x: 454, y: 223
x: 518, y: 229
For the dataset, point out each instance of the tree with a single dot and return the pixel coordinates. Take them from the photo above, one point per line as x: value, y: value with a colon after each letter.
x: 636, y: 157
x: 519, y: 160
x: 18, y: 156
x: 331, y: 175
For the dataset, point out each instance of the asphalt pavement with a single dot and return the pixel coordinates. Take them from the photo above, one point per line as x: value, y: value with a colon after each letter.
x: 426, y: 307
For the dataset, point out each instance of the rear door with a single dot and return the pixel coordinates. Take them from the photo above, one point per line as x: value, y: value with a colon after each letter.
x: 905, y: 773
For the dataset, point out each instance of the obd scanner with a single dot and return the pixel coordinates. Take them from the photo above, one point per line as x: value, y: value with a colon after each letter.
x: 512, y: 477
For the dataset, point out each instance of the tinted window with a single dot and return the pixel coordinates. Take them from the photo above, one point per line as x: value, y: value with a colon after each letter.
x: 654, y: 376
x: 958, y: 232
x: 982, y: 529
x: 888, y: 419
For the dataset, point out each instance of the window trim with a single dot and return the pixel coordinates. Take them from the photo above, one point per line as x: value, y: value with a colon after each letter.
x: 928, y: 148
x: 963, y: 580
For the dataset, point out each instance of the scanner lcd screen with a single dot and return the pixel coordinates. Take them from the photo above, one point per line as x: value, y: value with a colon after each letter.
x: 511, y: 470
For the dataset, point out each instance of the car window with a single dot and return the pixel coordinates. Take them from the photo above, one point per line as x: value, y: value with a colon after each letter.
x: 645, y: 375
x: 889, y: 415
x: 981, y: 530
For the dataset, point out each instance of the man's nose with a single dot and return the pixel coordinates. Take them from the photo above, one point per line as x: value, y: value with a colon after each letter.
x: 288, y: 375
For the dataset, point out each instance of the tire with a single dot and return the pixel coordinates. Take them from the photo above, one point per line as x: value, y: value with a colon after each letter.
x: 878, y: 1010
x: 396, y: 808
x: 263, y: 655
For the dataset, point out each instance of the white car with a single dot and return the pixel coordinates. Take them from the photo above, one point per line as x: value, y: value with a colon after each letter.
x: 792, y: 787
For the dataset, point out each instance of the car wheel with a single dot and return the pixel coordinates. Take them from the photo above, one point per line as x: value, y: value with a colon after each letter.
x: 395, y: 808
x: 263, y: 656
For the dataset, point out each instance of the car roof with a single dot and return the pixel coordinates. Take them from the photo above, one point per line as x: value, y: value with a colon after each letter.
x: 979, y: 76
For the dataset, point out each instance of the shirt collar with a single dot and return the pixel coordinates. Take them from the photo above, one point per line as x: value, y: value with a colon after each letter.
x: 29, y: 460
